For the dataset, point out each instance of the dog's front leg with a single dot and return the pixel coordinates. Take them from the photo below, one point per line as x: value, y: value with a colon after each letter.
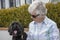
x: 24, y: 36
x: 14, y: 38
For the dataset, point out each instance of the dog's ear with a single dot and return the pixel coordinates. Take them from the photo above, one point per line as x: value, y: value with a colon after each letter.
x: 10, y: 30
x: 21, y: 27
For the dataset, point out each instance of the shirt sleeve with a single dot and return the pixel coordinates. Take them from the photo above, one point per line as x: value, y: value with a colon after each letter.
x: 54, y: 33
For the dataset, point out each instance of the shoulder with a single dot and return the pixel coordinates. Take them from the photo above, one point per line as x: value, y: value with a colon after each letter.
x: 51, y: 24
x: 31, y: 23
x: 50, y: 21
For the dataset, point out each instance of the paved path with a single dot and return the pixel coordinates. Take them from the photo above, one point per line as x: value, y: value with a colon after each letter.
x: 4, y: 35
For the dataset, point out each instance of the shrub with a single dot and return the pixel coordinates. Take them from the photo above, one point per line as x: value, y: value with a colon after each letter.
x: 21, y: 14
x: 54, y: 12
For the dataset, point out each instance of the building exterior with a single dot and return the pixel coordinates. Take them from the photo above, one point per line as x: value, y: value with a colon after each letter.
x: 54, y: 1
x: 15, y: 3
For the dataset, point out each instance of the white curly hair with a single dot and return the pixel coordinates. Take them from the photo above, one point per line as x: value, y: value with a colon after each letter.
x: 37, y: 6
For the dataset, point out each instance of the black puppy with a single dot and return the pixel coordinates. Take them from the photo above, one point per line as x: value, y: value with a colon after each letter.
x: 17, y: 31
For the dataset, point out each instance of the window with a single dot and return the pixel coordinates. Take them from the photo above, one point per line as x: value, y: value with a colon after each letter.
x: 54, y: 0
x: 19, y: 2
x: 14, y: 3
x: 2, y: 3
x: 28, y: 1
x: 11, y: 3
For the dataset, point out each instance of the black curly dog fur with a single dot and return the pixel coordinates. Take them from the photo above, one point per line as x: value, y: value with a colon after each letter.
x: 17, y: 31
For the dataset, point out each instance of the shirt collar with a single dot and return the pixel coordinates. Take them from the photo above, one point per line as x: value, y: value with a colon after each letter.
x: 45, y: 20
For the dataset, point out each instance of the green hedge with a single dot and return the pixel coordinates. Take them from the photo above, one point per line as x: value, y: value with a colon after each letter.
x: 21, y: 14
x: 54, y: 12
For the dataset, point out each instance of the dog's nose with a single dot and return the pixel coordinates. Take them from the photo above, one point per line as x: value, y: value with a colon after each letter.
x: 15, y: 31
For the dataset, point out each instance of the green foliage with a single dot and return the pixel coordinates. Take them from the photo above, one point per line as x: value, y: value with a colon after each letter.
x: 20, y: 14
x: 54, y: 12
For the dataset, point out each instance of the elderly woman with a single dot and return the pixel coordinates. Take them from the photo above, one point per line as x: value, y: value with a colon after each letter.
x: 41, y: 28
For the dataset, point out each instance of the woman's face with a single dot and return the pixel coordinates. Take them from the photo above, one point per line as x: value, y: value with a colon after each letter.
x: 38, y: 17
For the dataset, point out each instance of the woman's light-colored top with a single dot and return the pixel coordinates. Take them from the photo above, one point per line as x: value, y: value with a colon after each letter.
x: 47, y: 30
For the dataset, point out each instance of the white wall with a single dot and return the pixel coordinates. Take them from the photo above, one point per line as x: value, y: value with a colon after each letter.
x: 6, y: 4
x: 17, y: 3
x: 45, y: 1
x: 22, y: 2
x: 0, y: 4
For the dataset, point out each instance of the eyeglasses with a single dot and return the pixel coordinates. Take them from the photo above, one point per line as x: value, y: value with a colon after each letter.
x: 34, y: 16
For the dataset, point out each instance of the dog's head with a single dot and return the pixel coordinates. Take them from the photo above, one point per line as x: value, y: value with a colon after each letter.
x: 15, y: 29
